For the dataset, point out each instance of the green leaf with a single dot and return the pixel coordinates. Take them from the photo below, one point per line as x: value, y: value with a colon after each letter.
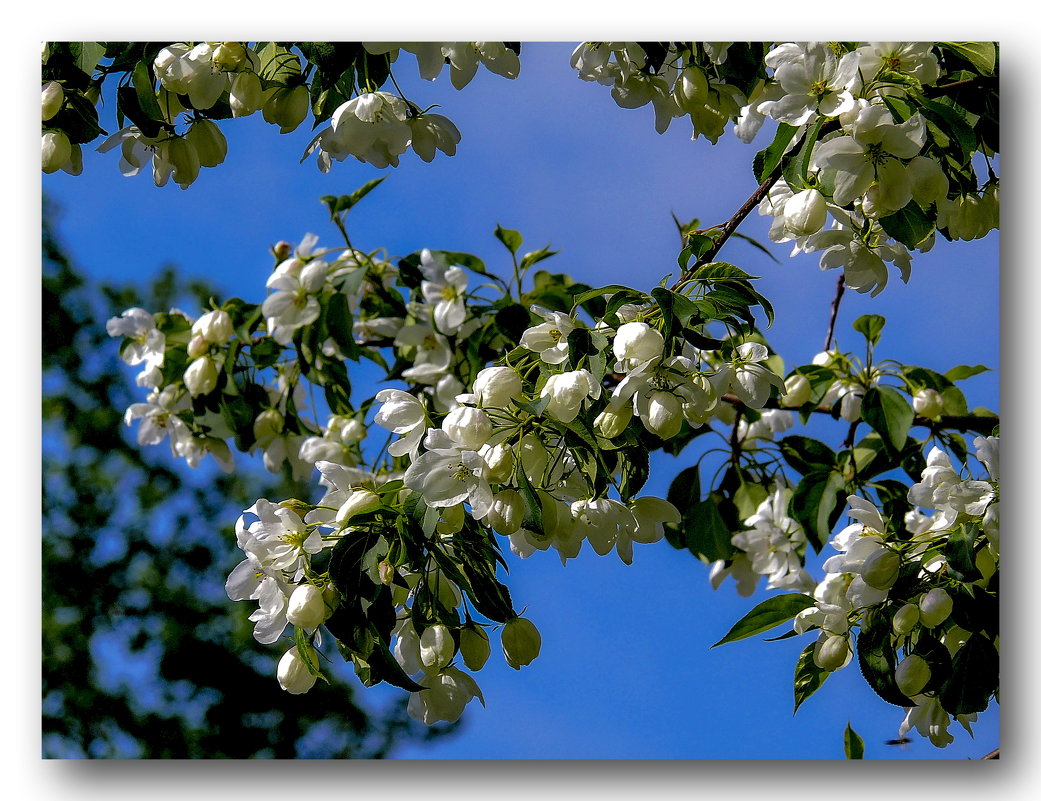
x: 982, y: 55
x: 532, y: 508
x: 815, y: 504
x: 144, y: 87
x: 535, y: 256
x: 90, y: 53
x: 885, y: 410
x: 974, y: 677
x: 910, y: 225
x: 511, y: 239
x: 963, y: 371
x: 388, y: 669
x: 771, y: 612
x: 870, y: 325
x: 766, y: 161
x: 807, y: 455
x: 306, y: 652
x: 808, y: 677
x: 959, y: 553
x: 877, y: 659
x: 852, y: 743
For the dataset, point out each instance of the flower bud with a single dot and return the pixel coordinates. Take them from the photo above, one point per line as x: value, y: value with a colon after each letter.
x: 912, y: 675
x: 507, y: 512
x: 306, y: 607
x: 181, y: 155
x: 229, y: 56
x: 436, y: 647
x: 358, y: 502
x: 906, y: 618
x: 796, y: 391
x: 639, y: 342
x: 201, y: 376
x: 692, y: 90
x: 497, y: 386
x: 936, y: 606
x: 468, y: 426
x: 287, y: 108
x: 246, y: 94
x: 208, y: 141
x: 56, y: 151
x: 293, y: 675
x: 53, y: 97
x: 928, y: 403
x: 881, y: 569
x: 74, y: 166
x: 832, y: 654
x: 197, y: 346
x: 499, y: 460
x: 214, y: 327
x: 474, y: 646
x: 521, y: 642
x: 452, y: 519
x: 661, y: 413
x: 281, y: 250
x: 386, y: 572
x: 612, y: 422
x: 805, y: 212
x: 267, y: 426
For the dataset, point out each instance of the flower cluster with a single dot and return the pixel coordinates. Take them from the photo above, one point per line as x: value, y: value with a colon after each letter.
x: 198, y: 84
x: 917, y: 587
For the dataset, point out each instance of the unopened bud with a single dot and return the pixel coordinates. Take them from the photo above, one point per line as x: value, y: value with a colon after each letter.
x: 387, y: 572
x: 287, y: 108
x: 246, y: 94
x: 881, y: 569
x: 832, y: 654
x: 507, y: 512
x: 267, y: 426
x: 474, y: 646
x: 229, y: 56
x: 936, y: 606
x: 56, y: 151
x: 201, y: 376
x: 436, y: 647
x: 208, y: 142
x: 912, y: 675
x: 906, y: 618
x: 639, y: 342
x: 521, y: 642
x: 358, y: 502
x: 293, y: 675
x: 497, y: 386
x: 612, y: 422
x: 468, y: 426
x: 928, y: 403
x: 805, y: 212
x: 796, y: 391
x: 214, y: 326
x: 53, y: 97
x: 197, y: 346
x: 306, y: 607
x: 281, y: 250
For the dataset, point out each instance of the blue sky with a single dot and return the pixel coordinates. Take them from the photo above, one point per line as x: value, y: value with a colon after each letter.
x: 626, y: 669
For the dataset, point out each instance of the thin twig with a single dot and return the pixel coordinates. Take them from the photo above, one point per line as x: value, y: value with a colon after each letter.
x: 726, y: 230
x: 840, y: 289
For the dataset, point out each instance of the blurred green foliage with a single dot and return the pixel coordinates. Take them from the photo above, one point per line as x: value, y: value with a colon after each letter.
x: 143, y: 653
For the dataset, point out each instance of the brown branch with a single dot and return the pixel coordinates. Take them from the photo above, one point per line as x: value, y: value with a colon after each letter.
x: 840, y: 289
x: 727, y: 229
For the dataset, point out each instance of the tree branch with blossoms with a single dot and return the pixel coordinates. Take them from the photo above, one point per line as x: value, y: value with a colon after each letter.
x: 526, y: 419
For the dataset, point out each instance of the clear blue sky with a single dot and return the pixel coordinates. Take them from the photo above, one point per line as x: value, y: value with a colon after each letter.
x: 626, y: 670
